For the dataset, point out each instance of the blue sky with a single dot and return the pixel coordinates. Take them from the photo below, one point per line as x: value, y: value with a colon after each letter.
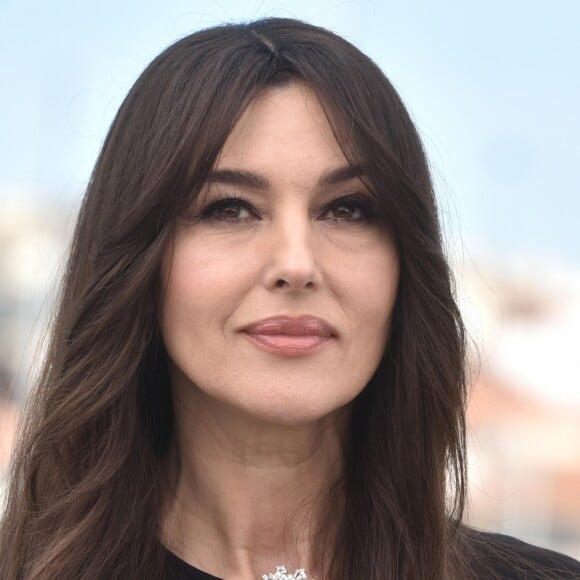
x: 494, y: 88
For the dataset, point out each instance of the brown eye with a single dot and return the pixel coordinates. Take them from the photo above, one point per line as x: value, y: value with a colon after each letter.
x: 352, y: 208
x: 347, y: 212
x: 229, y: 210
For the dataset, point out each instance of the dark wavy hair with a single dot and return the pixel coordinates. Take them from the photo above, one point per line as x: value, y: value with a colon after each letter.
x: 85, y: 495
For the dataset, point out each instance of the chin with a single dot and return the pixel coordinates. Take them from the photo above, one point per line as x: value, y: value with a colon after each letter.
x: 295, y: 414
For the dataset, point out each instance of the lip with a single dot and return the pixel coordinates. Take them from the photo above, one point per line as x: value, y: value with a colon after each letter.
x: 291, y: 336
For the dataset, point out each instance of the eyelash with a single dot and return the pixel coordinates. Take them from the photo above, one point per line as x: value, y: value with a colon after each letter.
x: 354, y: 201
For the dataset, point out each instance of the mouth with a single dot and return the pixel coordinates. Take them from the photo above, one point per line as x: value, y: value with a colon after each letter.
x: 291, y: 336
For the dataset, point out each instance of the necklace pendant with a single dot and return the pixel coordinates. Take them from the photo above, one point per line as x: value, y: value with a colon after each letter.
x: 282, y: 573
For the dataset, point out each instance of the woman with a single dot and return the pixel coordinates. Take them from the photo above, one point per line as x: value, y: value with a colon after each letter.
x: 257, y: 359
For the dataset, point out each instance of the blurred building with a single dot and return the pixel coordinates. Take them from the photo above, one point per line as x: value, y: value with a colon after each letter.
x: 524, y: 414
x: 33, y: 240
x: 524, y: 466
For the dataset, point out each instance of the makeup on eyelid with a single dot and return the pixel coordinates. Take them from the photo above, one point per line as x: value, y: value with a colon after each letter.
x: 354, y: 202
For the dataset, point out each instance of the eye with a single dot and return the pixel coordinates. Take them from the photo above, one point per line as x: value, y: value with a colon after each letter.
x: 350, y: 208
x: 229, y: 209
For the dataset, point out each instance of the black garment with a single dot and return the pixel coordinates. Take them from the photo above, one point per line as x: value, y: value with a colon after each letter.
x: 504, y: 556
x: 511, y: 559
x: 180, y: 570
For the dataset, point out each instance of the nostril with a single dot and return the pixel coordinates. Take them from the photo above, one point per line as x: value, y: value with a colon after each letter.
x: 283, y: 283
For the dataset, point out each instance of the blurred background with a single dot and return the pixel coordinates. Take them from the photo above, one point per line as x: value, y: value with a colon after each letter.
x: 494, y: 88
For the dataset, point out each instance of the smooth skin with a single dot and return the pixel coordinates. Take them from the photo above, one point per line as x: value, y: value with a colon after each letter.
x: 260, y: 435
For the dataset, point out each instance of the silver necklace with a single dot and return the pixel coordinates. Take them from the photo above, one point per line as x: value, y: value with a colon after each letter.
x: 283, y: 574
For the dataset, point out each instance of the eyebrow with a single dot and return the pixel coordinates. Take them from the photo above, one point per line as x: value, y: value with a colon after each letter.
x: 256, y: 181
x: 340, y: 175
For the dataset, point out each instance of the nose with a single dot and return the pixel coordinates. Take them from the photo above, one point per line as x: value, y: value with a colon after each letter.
x: 292, y: 263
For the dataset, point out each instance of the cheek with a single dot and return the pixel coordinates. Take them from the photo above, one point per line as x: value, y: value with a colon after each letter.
x: 370, y: 284
x: 207, y: 279
x: 376, y: 294
x: 197, y: 266
x: 382, y: 289
x: 197, y: 284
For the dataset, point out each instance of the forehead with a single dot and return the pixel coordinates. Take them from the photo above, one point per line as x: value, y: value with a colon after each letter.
x: 284, y: 130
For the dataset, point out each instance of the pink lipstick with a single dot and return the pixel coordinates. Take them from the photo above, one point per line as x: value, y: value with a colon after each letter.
x: 288, y: 336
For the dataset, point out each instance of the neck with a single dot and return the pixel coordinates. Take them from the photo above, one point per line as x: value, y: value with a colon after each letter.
x: 245, y: 495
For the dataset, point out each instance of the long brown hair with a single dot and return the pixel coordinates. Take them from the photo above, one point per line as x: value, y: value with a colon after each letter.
x: 85, y: 495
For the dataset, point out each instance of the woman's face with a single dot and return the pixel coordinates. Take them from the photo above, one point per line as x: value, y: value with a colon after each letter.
x: 280, y: 284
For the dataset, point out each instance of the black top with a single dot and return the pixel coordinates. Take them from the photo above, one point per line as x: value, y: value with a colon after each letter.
x: 180, y: 570
x: 507, y: 557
